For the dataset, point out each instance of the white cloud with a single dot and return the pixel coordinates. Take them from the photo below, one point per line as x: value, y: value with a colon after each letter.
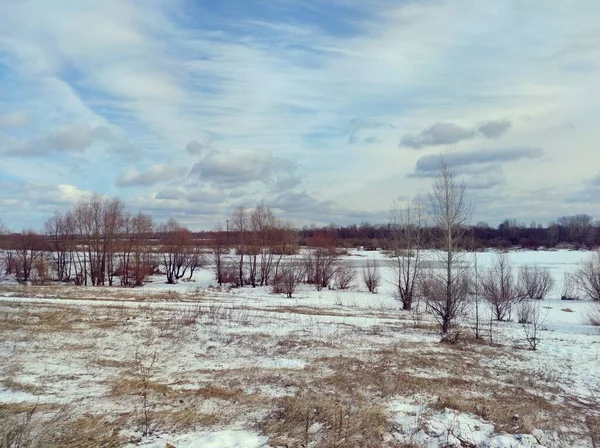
x: 13, y: 119
x: 152, y: 175
x: 285, y: 91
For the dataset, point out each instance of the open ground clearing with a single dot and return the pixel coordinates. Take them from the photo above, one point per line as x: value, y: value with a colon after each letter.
x: 196, y: 366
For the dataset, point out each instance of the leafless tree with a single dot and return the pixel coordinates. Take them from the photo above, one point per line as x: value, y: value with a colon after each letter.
x: 371, y: 276
x: 285, y: 243
x: 3, y: 245
x: 535, y: 282
x: 240, y: 225
x: 176, y: 248
x: 263, y: 227
x: 447, y: 291
x: 57, y: 228
x: 219, y: 251
x: 27, y: 250
x: 97, y: 223
x: 135, y: 259
x: 476, y: 291
x: 112, y: 226
x: 587, y: 277
x: 407, y: 237
x: 500, y: 287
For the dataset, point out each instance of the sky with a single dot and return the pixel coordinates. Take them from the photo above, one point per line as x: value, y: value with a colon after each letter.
x: 326, y: 110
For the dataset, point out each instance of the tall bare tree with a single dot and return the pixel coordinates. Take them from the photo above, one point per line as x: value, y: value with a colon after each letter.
x: 407, y: 237
x: 27, y: 250
x: 446, y: 292
x: 240, y: 225
x: 59, y: 231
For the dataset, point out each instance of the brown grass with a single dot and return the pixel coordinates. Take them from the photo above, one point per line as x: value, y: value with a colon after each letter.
x: 567, y: 310
x: 220, y: 393
x: 325, y: 419
x: 184, y: 419
x: 133, y: 386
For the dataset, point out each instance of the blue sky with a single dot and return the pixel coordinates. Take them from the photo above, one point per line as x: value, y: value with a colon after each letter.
x: 326, y: 110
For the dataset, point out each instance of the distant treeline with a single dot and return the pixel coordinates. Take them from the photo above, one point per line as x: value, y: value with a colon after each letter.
x: 577, y: 231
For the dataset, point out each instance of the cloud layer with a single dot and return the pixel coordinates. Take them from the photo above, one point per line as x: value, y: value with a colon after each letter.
x: 326, y: 111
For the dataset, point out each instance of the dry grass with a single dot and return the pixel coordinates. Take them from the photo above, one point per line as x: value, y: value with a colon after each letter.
x: 133, y: 386
x: 185, y: 419
x: 220, y: 393
x: 104, y: 293
x: 41, y: 426
x: 567, y: 310
x: 325, y: 421
x: 593, y: 424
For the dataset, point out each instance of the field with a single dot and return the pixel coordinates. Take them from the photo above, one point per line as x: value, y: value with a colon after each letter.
x: 192, y: 365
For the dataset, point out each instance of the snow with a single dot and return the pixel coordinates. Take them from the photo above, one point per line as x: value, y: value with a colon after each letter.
x: 418, y: 425
x: 218, y: 439
x: 250, y: 331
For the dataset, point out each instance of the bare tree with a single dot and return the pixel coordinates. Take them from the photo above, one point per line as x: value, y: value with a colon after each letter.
x: 447, y: 291
x: 535, y: 282
x: 176, y: 249
x: 27, y: 250
x: 500, y: 287
x: 3, y: 245
x: 587, y: 277
x: 476, y: 291
x: 407, y: 236
x: 135, y: 259
x: 57, y: 228
x: 240, y: 224
x: 219, y: 251
x: 371, y: 276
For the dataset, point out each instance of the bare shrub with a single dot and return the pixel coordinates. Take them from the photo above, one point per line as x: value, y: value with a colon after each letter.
x: 535, y: 282
x: 320, y: 265
x: 500, y: 287
x: 592, y: 316
x: 569, y: 287
x: 145, y: 366
x: 587, y: 277
x: 534, y: 323
x: 524, y: 312
x: 229, y: 274
x: 290, y: 275
x: 344, y: 276
x: 371, y: 276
